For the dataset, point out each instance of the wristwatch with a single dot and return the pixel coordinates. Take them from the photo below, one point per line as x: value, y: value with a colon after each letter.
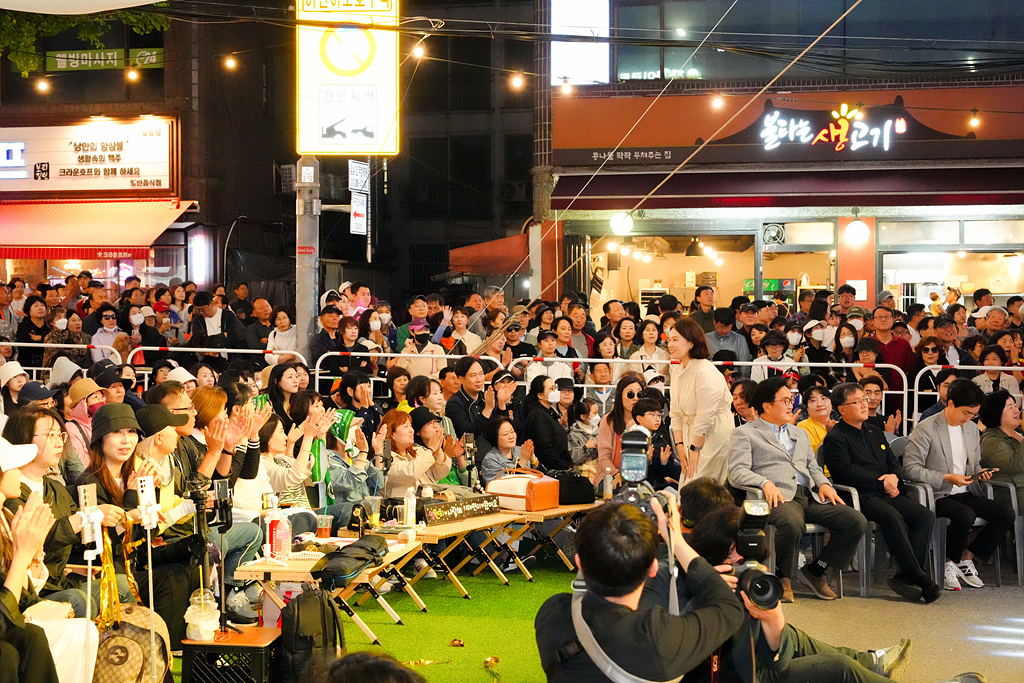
x: 695, y: 449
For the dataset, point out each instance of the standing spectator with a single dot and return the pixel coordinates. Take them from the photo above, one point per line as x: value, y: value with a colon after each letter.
x: 804, y: 300
x: 625, y: 332
x: 847, y: 297
x: 702, y: 311
x: 944, y: 452
x: 724, y: 337
x: 372, y: 337
x: 1013, y: 305
x: 892, y: 350
x: 649, y: 351
x: 282, y: 337
x: 33, y: 329
x: 239, y: 305
x: 542, y: 321
x: 460, y: 330
x: 17, y: 286
x: 772, y: 455
x: 581, y: 341
x: 8, y: 318
x: 700, y: 410
x: 519, y: 348
x: 614, y: 312
x: 325, y: 341
x: 857, y: 454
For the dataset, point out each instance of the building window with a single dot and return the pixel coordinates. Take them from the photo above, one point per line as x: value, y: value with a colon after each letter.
x: 472, y: 192
x: 919, y: 232
x: 426, y: 195
x: 458, y: 78
x: 426, y: 260
x: 450, y: 178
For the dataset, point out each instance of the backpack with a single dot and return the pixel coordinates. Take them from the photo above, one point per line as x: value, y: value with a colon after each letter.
x: 337, y: 569
x: 310, y: 627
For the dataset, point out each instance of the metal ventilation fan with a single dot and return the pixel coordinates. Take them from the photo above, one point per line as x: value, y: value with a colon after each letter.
x: 774, y: 233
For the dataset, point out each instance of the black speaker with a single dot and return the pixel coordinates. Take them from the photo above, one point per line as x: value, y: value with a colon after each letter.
x: 613, y: 260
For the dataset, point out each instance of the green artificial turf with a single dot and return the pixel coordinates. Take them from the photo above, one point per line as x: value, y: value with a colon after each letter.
x: 497, y: 621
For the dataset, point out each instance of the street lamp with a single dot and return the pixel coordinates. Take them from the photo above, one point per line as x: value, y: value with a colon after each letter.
x: 622, y: 223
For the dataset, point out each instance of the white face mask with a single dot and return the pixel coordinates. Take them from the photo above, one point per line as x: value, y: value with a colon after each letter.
x: 375, y: 325
x: 847, y: 342
x: 794, y: 338
x: 554, y: 396
x: 385, y: 318
x: 857, y: 323
x: 595, y: 421
x: 61, y: 324
x: 817, y: 335
x: 138, y: 319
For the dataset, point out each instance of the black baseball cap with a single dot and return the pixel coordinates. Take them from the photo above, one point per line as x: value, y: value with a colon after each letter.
x: 944, y: 320
x: 34, y: 391
x: 544, y: 334
x: 110, y: 377
x: 156, y: 417
x: 565, y: 384
x: 748, y: 308
x: 329, y: 309
x: 775, y: 338
x: 502, y: 376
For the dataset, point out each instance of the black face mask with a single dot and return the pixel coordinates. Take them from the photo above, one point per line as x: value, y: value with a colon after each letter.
x: 422, y: 338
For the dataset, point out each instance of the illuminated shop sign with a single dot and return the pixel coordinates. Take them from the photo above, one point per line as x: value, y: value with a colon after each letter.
x: 848, y: 131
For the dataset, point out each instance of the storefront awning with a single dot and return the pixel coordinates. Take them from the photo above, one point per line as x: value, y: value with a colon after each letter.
x: 112, y: 229
x: 497, y: 257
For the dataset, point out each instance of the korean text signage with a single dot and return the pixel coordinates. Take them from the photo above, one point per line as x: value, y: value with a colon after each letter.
x: 847, y: 131
x: 98, y: 156
x: 347, y: 77
x: 89, y: 60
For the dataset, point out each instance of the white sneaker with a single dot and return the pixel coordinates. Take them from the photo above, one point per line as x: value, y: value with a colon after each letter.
x: 419, y: 563
x: 951, y: 581
x: 969, y: 573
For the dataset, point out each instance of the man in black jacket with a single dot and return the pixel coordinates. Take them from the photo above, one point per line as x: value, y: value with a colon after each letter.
x: 472, y: 407
x: 616, y: 551
x: 857, y: 454
x: 325, y: 341
x: 214, y: 321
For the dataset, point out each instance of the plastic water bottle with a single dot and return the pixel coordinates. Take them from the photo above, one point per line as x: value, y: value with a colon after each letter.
x: 280, y: 538
x: 607, y: 483
x: 410, y: 506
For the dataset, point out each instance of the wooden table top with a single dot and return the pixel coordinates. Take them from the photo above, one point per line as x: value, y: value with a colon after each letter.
x: 265, y: 569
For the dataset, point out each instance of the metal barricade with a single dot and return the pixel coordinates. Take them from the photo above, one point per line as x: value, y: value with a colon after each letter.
x: 197, y: 349
x: 371, y: 354
x: 36, y: 345
x: 980, y: 368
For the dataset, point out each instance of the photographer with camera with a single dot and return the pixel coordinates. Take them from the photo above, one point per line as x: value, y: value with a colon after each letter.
x: 766, y: 648
x: 616, y: 551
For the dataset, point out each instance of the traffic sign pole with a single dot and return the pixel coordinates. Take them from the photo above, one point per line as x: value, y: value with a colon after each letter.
x: 307, y: 249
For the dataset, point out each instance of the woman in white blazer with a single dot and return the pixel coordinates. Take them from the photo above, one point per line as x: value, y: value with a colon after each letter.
x: 282, y: 338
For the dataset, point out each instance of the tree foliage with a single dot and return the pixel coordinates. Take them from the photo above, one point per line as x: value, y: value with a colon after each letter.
x: 19, y: 31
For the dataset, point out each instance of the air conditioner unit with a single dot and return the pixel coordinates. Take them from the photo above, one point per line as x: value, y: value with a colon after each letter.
x: 512, y: 191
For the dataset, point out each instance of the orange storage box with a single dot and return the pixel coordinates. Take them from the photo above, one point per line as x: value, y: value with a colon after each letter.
x: 525, y: 490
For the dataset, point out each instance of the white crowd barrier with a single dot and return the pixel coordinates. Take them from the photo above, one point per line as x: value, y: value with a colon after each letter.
x: 974, y: 368
x: 199, y: 349
x: 373, y: 356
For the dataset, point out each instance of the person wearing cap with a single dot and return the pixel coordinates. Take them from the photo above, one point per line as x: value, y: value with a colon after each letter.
x: 12, y: 378
x: 115, y: 471
x: 24, y: 648
x: 514, y: 342
x: 774, y: 362
x: 43, y: 430
x: 474, y: 404
x: 418, y: 313
x: 550, y: 364
x: 947, y: 330
x: 116, y: 386
x: 418, y: 342
x: 161, y: 370
x: 327, y: 340
x: 886, y: 298
x: 214, y: 321
x: 815, y: 349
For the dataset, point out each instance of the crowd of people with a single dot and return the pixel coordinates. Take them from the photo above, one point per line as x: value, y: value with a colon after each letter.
x: 788, y: 406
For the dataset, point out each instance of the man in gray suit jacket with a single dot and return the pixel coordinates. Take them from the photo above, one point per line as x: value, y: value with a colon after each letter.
x: 772, y: 455
x: 944, y: 452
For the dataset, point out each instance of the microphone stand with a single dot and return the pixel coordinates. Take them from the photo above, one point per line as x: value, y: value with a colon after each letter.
x: 223, y: 519
x: 150, y: 518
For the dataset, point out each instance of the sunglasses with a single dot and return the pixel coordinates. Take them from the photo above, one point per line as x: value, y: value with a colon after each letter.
x: 631, y: 394
x: 109, y: 317
x: 930, y: 349
x: 515, y: 327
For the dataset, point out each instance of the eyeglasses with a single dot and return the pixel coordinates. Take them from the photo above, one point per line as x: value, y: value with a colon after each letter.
x: 109, y: 316
x: 930, y: 349
x: 190, y: 408
x: 856, y: 402
x: 788, y: 401
x: 55, y: 434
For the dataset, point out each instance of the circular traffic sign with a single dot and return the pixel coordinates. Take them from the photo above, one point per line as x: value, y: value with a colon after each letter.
x: 347, y: 50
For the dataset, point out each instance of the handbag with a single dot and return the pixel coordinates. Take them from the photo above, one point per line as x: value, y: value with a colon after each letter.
x: 525, y: 490
x: 573, y: 488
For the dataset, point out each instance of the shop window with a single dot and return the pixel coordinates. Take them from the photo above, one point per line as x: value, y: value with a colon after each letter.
x: 919, y: 232
x: 994, y: 232
x: 635, y: 62
x: 471, y: 189
x: 810, y: 233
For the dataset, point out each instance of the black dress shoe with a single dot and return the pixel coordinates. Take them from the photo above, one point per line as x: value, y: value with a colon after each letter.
x: 905, y: 589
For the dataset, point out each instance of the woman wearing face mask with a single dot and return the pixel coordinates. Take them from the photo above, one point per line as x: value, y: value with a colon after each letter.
x: 550, y: 441
x: 85, y: 398
x: 68, y: 330
x: 505, y: 454
x: 33, y: 329
x: 372, y: 337
x: 430, y: 355
x: 282, y: 337
x: 816, y: 351
x: 387, y: 325
x: 585, y: 418
x: 843, y: 352
x: 613, y: 425
x: 133, y: 322
x: 795, y: 345
x: 701, y: 408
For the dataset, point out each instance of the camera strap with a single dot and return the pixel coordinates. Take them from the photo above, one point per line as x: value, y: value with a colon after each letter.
x: 586, y: 638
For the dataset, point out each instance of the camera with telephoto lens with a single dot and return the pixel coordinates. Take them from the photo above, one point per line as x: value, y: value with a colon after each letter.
x: 633, y: 469
x: 762, y: 587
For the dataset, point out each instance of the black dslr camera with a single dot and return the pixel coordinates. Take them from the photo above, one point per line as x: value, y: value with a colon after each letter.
x: 763, y: 588
x: 633, y: 469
